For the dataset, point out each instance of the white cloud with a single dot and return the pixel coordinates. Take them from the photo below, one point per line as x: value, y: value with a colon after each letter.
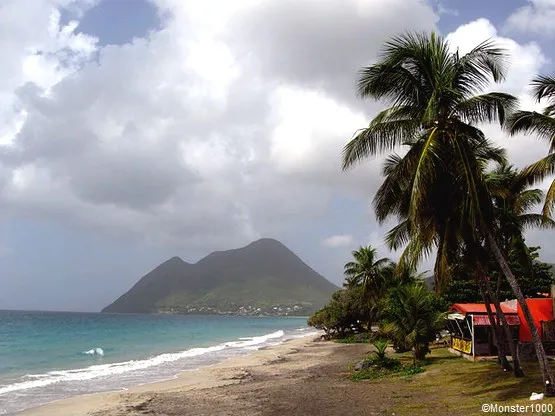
x: 37, y: 49
x: 207, y: 133
x: 223, y: 125
x: 322, y: 45
x: 525, y: 60
x: 342, y: 240
x: 185, y: 136
x: 536, y: 17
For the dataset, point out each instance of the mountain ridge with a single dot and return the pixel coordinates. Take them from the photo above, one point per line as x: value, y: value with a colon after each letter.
x: 263, y: 277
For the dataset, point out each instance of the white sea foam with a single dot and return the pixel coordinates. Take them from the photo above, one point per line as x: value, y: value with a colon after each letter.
x: 94, y: 351
x: 303, y: 335
x: 107, y: 370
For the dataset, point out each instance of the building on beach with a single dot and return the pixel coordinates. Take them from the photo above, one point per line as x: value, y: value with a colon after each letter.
x: 472, y: 335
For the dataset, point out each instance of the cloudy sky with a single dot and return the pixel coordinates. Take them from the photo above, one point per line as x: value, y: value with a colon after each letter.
x: 135, y: 130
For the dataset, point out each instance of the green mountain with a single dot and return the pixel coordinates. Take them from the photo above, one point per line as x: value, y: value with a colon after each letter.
x: 264, y: 277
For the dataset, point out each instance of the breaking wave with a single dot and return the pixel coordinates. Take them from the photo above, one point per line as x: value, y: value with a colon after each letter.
x: 94, y: 351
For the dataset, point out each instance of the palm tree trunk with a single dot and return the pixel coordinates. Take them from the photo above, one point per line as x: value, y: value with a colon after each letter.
x: 498, y: 337
x: 437, y: 285
x: 518, y: 372
x: 549, y: 386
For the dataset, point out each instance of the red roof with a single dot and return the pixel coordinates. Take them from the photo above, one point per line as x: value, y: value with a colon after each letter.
x: 479, y: 308
x: 541, y: 310
x: 483, y: 320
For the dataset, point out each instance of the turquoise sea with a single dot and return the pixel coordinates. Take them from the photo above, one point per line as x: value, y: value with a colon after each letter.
x: 47, y: 356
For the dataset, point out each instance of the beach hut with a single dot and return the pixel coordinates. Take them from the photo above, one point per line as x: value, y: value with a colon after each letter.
x: 471, y: 331
x: 542, y: 313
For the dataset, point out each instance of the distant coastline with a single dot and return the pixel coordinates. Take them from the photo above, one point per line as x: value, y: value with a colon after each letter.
x: 264, y: 278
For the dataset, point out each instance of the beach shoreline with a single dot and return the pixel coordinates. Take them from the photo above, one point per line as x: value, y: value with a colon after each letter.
x: 230, y: 371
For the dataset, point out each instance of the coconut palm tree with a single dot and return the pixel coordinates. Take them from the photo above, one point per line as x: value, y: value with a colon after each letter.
x: 450, y: 255
x: 395, y: 193
x: 513, y: 199
x: 512, y: 202
x: 435, y: 98
x: 543, y: 125
x: 443, y: 226
x: 372, y: 274
x: 367, y: 270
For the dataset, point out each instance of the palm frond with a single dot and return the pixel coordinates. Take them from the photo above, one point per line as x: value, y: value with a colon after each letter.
x: 529, y: 122
x: 377, y: 138
x: 527, y: 199
x: 543, y: 87
x: 540, y: 170
x: 393, y: 196
x: 424, y: 173
x: 398, y: 236
x: 489, y: 107
x: 536, y: 221
x: 474, y: 71
x: 549, y: 200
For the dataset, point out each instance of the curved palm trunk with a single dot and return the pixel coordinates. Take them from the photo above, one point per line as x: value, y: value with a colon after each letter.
x: 437, y: 285
x: 549, y: 386
x: 498, y: 336
x: 517, y: 369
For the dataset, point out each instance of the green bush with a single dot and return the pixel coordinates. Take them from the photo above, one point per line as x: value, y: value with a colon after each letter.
x: 388, y: 363
x: 343, y: 315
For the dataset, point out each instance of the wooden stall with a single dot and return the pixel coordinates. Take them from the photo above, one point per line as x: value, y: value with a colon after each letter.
x: 471, y: 331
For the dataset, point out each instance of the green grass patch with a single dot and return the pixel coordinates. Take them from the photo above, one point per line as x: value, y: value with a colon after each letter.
x: 376, y: 367
x: 412, y: 370
x: 449, y: 385
x: 371, y: 374
x: 355, y: 339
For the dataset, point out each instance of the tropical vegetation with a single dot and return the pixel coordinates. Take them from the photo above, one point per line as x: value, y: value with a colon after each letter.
x: 452, y: 193
x: 383, y: 296
x: 412, y: 319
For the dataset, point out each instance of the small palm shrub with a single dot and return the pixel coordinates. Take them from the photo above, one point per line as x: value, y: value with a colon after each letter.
x: 381, y: 348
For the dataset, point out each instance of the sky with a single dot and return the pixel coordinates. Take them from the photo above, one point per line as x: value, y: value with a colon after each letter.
x: 132, y: 131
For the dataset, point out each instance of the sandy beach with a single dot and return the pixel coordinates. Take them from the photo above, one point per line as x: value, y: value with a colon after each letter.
x: 310, y: 377
x: 302, y: 376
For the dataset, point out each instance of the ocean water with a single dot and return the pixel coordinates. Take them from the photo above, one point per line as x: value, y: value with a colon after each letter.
x: 47, y: 356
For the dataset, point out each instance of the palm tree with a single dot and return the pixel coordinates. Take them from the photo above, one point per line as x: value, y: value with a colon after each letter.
x: 435, y: 99
x: 512, y: 201
x: 412, y: 319
x: 442, y: 227
x: 374, y: 275
x: 454, y: 249
x: 367, y: 270
x: 543, y: 125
